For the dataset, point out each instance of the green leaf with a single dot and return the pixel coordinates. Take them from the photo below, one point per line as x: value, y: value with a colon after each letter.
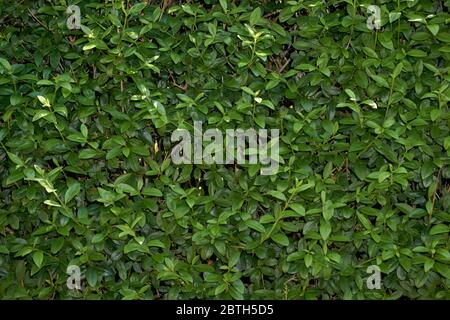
x: 438, y: 229
x: 255, y: 16
x: 370, y: 52
x: 14, y: 158
x: 89, y: 46
x: 224, y: 5
x: 40, y: 114
x: 325, y: 229
x: 298, y: 208
x: 149, y: 191
x: 308, y: 260
x: 435, y: 114
x: 417, y: 53
x: 394, y: 15
x: 91, y: 276
x: 397, y: 70
x: 45, y: 102
x: 156, y: 243
x: 385, y: 39
x: 364, y: 221
x: 295, y: 256
x: 277, y: 194
x: 87, y: 154
x: 134, y: 246
x: 266, y: 219
x: 351, y: 94
x: 52, y: 203
x: 255, y: 225
x: 434, y: 28
x: 328, y: 210
x: 443, y: 269
x: 71, y: 192
x: 137, y: 8
x: 222, y: 287
x: 447, y: 143
x: 15, y: 99
x: 380, y: 80
x: 115, y: 20
x: 280, y: 238
x: 44, y: 82
x: 98, y: 238
x: 84, y: 130
x: 38, y: 258
x: 5, y: 64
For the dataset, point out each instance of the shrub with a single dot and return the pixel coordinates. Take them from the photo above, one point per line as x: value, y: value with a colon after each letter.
x: 87, y: 179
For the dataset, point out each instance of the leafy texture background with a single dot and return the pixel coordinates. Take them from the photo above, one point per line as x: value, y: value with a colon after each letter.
x: 86, y: 178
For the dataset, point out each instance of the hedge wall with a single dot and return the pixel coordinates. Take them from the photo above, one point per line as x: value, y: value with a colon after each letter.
x: 87, y: 178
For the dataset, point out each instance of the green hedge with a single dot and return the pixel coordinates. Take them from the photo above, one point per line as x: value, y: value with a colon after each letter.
x: 87, y: 178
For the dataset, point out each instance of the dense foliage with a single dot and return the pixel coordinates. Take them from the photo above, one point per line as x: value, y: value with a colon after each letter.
x: 86, y: 175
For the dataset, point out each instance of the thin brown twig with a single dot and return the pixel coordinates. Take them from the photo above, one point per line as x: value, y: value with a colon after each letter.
x: 435, y: 191
x: 284, y: 65
x: 37, y: 20
x: 174, y: 82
